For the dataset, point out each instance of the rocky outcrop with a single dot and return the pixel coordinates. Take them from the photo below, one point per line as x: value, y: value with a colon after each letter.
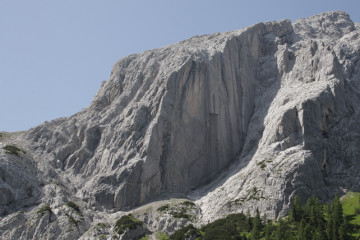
x: 239, y: 120
x: 167, y: 120
x: 19, y: 185
x: 301, y: 137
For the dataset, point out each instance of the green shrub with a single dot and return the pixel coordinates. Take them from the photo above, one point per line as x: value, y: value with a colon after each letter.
x: 74, y: 206
x: 180, y: 211
x: 13, y: 150
x: 163, y: 208
x: 126, y: 222
x: 357, y: 211
x: 44, y: 208
x: 189, y: 204
x: 185, y: 233
x: 262, y: 165
x: 161, y: 236
x: 72, y: 220
x: 101, y: 225
x: 226, y: 228
x: 180, y: 214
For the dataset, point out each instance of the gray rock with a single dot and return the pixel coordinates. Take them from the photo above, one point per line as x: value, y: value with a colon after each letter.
x: 19, y: 186
x: 239, y: 120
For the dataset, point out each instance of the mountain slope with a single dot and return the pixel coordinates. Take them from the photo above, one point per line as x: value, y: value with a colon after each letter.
x: 234, y: 121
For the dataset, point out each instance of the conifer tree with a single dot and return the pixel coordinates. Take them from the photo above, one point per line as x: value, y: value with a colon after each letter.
x: 317, y: 217
x: 256, y: 226
x: 337, y: 216
x: 248, y: 221
x: 280, y: 233
x: 268, y: 230
x: 309, y: 206
x: 344, y: 230
x: 308, y: 231
x: 296, y: 211
x: 329, y: 224
x: 338, y: 211
x: 319, y: 234
x: 301, y: 229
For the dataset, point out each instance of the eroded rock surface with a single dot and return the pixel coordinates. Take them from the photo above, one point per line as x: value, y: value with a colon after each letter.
x: 234, y: 121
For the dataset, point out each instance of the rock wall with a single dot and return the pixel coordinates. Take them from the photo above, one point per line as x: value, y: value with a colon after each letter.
x: 301, y: 138
x: 234, y: 121
x: 167, y: 120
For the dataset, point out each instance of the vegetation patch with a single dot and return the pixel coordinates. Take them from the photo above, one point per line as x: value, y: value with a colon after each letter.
x: 127, y: 222
x: 161, y: 236
x: 188, y: 204
x: 74, y: 206
x: 102, y: 236
x: 188, y: 232
x: 101, y: 225
x: 44, y: 209
x: 254, y: 194
x: 351, y: 208
x: 181, y: 210
x: 13, y: 150
x: 234, y: 226
x: 163, y: 208
x: 180, y: 213
x: 351, y: 205
x: 145, y: 238
x: 336, y: 220
x: 72, y: 220
x: 262, y: 164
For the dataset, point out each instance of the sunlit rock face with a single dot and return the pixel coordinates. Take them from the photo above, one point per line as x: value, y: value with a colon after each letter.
x: 167, y: 121
x: 234, y: 121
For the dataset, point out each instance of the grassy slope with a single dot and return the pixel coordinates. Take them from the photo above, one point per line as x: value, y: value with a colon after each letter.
x: 351, y: 202
x: 351, y: 207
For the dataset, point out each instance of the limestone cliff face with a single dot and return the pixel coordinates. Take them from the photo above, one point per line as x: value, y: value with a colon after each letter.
x: 238, y: 120
x: 301, y: 138
x: 167, y: 120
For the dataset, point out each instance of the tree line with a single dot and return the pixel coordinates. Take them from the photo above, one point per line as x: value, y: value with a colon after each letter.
x: 313, y: 221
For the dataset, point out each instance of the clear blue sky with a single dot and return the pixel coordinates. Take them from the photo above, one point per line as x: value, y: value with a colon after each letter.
x: 55, y: 54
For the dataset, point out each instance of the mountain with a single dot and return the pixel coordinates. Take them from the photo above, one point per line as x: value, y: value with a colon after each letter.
x: 233, y: 121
